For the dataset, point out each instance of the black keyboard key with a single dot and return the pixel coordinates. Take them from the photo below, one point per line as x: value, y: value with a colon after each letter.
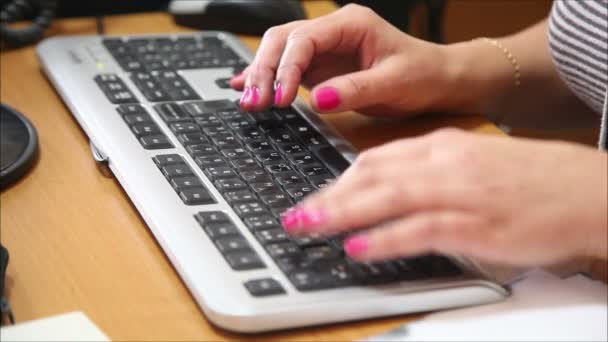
x: 269, y: 158
x: 243, y: 164
x: 249, y: 209
x: 220, y: 230
x: 200, y: 150
x: 340, y: 273
x: 336, y: 163
x: 177, y: 170
x: 234, y: 153
x: 209, y: 107
x: 320, y: 182
x: 225, y: 141
x: 322, y: 253
x: 145, y: 129
x: 275, y: 199
x: 301, y: 127
x: 249, y: 134
x: 196, y: 196
x: 219, y: 172
x: 314, y: 170
x: 168, y: 159
x: 299, y: 191
x: 308, y: 241
x: 184, y: 127
x: 181, y: 94
x: 244, y: 260
x: 256, y: 175
x: 261, y: 222
x: 171, y: 112
x: 192, y: 139
x: 232, y: 243
x: 205, y: 218
x: 132, y: 119
x: 262, y: 146
x: 292, y: 148
x: 308, y: 280
x: 278, y: 168
x: 115, y: 89
x: 240, y: 196
x: 264, y: 287
x: 267, y: 116
x: 271, y: 236
x: 182, y: 183
x: 211, y: 160
x: 264, y: 187
x: 215, y: 130
x: 208, y: 121
x: 289, y: 178
x: 155, y: 142
x: 131, y: 108
x: 303, y: 159
x: 293, y: 263
x: 375, y: 273
x: 283, y: 249
x: 281, y: 136
x: 230, y: 184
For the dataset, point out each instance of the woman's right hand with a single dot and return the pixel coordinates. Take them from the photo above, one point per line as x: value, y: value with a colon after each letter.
x: 353, y: 60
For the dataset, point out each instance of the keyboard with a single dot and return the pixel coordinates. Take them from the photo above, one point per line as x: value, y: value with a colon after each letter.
x: 211, y: 182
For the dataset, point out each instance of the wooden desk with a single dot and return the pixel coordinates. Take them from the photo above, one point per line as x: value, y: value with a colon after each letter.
x: 77, y: 242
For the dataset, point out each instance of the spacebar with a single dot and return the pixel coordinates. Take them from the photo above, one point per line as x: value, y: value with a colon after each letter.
x: 336, y: 163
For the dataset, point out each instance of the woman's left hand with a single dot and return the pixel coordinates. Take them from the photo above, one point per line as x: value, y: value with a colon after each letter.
x: 509, y: 201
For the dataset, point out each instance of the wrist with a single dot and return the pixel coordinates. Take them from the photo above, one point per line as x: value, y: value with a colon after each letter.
x: 477, y: 76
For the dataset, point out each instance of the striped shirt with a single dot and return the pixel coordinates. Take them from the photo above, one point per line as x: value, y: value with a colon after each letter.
x: 578, y: 37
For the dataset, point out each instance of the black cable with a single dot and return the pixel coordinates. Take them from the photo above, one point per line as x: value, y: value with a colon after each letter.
x: 43, y: 10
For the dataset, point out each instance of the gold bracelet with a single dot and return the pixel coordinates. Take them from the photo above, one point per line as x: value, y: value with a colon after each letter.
x: 509, y: 55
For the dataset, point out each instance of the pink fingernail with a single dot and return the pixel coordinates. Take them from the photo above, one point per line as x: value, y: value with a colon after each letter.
x: 278, y: 93
x: 356, y: 245
x: 245, y: 96
x: 255, y: 96
x: 291, y: 220
x: 327, y: 98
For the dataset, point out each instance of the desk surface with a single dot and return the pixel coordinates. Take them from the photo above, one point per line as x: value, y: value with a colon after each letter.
x: 77, y: 242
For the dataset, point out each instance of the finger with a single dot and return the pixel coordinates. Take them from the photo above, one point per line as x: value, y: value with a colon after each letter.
x: 354, y: 90
x: 447, y: 232
x: 317, y: 37
x: 261, y: 73
x: 237, y: 82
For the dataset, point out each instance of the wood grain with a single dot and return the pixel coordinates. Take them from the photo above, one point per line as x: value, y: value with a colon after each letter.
x: 77, y: 242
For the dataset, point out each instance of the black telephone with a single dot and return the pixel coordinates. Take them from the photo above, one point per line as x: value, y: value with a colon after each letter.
x: 42, y: 12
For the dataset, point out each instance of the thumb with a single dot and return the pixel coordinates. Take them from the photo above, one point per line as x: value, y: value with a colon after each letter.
x: 352, y: 91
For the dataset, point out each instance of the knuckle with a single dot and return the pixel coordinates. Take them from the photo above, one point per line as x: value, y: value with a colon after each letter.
x: 359, y: 11
x: 272, y: 33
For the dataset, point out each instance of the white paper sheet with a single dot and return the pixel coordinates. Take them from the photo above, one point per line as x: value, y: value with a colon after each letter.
x: 542, y: 307
x: 74, y: 326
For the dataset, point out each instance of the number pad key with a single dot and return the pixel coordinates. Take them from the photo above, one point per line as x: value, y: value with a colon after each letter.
x: 249, y: 209
x: 272, y: 236
x: 264, y: 287
x: 244, y: 260
x: 230, y: 184
x: 261, y: 222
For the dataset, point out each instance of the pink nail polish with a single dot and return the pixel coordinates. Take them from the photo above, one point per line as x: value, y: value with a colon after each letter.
x: 245, y: 97
x: 327, y: 98
x: 291, y: 220
x: 278, y: 93
x: 255, y: 96
x: 312, y: 218
x: 356, y: 245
